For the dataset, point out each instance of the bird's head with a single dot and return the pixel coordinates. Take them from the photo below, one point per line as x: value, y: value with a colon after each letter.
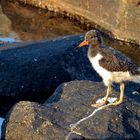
x: 92, y: 37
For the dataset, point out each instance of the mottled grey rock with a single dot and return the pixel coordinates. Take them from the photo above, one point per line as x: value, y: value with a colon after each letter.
x: 70, y: 103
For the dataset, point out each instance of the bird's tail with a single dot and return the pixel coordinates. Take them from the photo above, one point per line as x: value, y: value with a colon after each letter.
x: 139, y: 70
x: 136, y: 79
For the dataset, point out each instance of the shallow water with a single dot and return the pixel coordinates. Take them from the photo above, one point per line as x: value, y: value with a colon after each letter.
x: 1, y: 121
x: 28, y: 23
x: 8, y: 39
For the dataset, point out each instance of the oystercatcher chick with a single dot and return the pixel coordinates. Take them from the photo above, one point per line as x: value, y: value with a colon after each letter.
x: 110, y: 64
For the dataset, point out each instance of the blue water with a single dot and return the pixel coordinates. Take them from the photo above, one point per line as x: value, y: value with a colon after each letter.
x: 1, y: 121
x: 7, y: 39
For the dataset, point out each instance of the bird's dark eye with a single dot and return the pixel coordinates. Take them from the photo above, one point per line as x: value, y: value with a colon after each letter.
x: 93, y: 36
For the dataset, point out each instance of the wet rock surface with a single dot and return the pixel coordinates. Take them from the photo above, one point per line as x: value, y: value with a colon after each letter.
x: 32, y: 71
x: 71, y: 102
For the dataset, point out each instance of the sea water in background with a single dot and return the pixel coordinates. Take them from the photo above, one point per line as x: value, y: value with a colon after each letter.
x: 7, y: 39
x: 1, y: 121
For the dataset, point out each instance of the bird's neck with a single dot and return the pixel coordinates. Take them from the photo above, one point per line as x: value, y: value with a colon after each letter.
x: 93, y: 50
x: 96, y: 46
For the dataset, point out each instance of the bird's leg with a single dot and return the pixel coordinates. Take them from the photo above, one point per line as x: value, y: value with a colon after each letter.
x: 104, y: 99
x: 121, y: 95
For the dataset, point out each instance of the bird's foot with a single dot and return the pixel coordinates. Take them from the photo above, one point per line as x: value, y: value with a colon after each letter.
x: 112, y: 99
x: 116, y: 103
x: 102, y: 101
x: 99, y: 103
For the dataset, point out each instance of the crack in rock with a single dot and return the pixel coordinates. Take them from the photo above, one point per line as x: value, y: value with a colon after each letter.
x: 73, y: 126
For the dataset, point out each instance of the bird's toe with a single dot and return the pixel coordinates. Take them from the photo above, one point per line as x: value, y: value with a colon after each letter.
x: 116, y: 103
x: 97, y: 105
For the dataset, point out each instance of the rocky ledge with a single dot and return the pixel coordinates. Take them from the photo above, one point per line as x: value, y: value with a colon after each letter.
x: 120, y: 18
x: 68, y: 115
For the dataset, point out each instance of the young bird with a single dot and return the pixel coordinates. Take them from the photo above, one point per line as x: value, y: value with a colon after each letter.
x: 110, y: 64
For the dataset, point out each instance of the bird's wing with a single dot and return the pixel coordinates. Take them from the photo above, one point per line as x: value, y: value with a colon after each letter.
x: 114, y: 60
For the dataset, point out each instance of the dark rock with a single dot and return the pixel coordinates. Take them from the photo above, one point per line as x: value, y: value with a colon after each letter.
x: 32, y: 71
x: 70, y: 103
x: 1, y: 42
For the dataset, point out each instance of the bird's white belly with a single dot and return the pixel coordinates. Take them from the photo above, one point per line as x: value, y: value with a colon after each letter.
x: 107, y: 76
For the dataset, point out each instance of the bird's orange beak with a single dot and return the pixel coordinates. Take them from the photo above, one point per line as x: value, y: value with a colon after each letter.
x: 82, y: 44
